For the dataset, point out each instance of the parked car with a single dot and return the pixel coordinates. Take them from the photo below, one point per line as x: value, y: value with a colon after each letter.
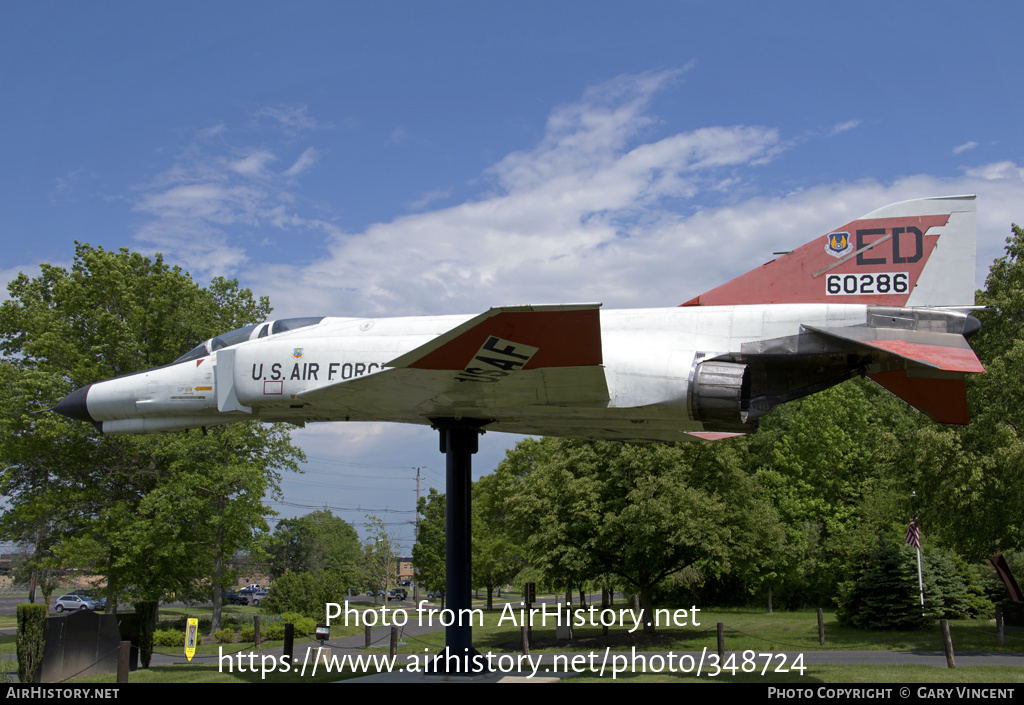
x: 100, y: 601
x: 397, y: 594
x: 234, y: 598
x: 74, y: 603
x: 257, y: 597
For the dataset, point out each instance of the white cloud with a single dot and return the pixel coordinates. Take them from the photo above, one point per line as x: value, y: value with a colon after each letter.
x: 292, y: 119
x: 964, y: 147
x: 207, y: 208
x: 996, y: 171
x: 582, y: 201
x: 427, y: 198
x: 844, y: 126
x: 254, y: 164
x: 305, y: 161
x: 608, y: 206
x: 65, y: 186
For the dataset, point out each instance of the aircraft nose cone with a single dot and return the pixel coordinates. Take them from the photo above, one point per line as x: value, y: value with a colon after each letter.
x: 73, y: 405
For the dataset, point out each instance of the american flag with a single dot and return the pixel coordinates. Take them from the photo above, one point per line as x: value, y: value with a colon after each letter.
x: 914, y: 535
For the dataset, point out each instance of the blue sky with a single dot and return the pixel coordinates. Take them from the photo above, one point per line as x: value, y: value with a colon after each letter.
x: 403, y: 158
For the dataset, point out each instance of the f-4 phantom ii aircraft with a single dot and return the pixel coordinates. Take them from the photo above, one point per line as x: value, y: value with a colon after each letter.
x: 887, y: 296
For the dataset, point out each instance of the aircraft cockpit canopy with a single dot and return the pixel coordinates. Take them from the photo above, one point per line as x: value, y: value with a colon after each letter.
x: 251, y: 332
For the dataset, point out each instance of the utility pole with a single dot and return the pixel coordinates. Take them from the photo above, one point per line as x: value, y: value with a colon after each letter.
x: 416, y: 580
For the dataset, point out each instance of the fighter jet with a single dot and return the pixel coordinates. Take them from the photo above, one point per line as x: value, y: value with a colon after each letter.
x: 887, y: 296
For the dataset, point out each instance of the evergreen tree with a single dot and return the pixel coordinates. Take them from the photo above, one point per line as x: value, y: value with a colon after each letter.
x: 886, y: 593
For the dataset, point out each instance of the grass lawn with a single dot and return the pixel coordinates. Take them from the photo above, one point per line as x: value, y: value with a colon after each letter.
x: 745, y: 629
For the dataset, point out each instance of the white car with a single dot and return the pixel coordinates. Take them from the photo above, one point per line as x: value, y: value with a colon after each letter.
x: 73, y: 603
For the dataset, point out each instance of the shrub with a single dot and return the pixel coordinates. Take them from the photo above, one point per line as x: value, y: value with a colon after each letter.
x: 304, y: 626
x: 306, y: 593
x: 147, y: 611
x: 247, y: 634
x: 272, y: 632
x: 31, y: 623
x: 224, y: 636
x: 169, y: 638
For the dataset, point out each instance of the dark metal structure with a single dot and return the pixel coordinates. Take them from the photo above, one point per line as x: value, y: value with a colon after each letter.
x: 459, y: 442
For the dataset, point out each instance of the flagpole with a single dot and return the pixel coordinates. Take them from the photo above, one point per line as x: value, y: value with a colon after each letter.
x: 914, y: 538
x: 920, y: 575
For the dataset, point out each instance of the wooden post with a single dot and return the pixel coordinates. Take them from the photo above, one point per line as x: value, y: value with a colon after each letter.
x: 367, y: 641
x: 821, y: 628
x: 999, y: 625
x: 947, y: 643
x: 124, y: 651
x: 721, y: 642
x: 256, y: 631
x: 394, y: 641
x: 530, y: 593
x: 526, y: 638
x: 289, y: 641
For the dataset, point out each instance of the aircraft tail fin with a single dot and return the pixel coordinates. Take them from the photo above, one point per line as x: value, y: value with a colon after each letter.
x: 913, y: 253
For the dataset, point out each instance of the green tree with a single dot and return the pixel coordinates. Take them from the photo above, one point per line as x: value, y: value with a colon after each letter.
x: 553, y: 509
x: 641, y: 512
x: 380, y: 556
x: 886, y: 592
x: 835, y: 467
x: 314, y: 542
x: 497, y: 557
x: 974, y: 474
x: 428, y: 553
x: 307, y: 593
x: 150, y: 513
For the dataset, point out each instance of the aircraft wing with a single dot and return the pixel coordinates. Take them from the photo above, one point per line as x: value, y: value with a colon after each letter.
x: 508, y: 356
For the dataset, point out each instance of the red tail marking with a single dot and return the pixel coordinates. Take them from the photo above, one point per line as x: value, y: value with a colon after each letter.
x: 799, y: 277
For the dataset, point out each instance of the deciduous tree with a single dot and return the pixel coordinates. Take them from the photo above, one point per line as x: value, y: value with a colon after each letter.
x: 150, y: 513
x: 428, y: 553
x: 314, y: 542
x: 641, y: 512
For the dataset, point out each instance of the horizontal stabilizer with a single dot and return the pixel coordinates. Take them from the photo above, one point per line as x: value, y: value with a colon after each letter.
x: 942, y: 400
x: 943, y: 351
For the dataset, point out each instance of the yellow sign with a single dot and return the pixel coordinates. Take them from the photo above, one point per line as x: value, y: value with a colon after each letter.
x: 191, y: 637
